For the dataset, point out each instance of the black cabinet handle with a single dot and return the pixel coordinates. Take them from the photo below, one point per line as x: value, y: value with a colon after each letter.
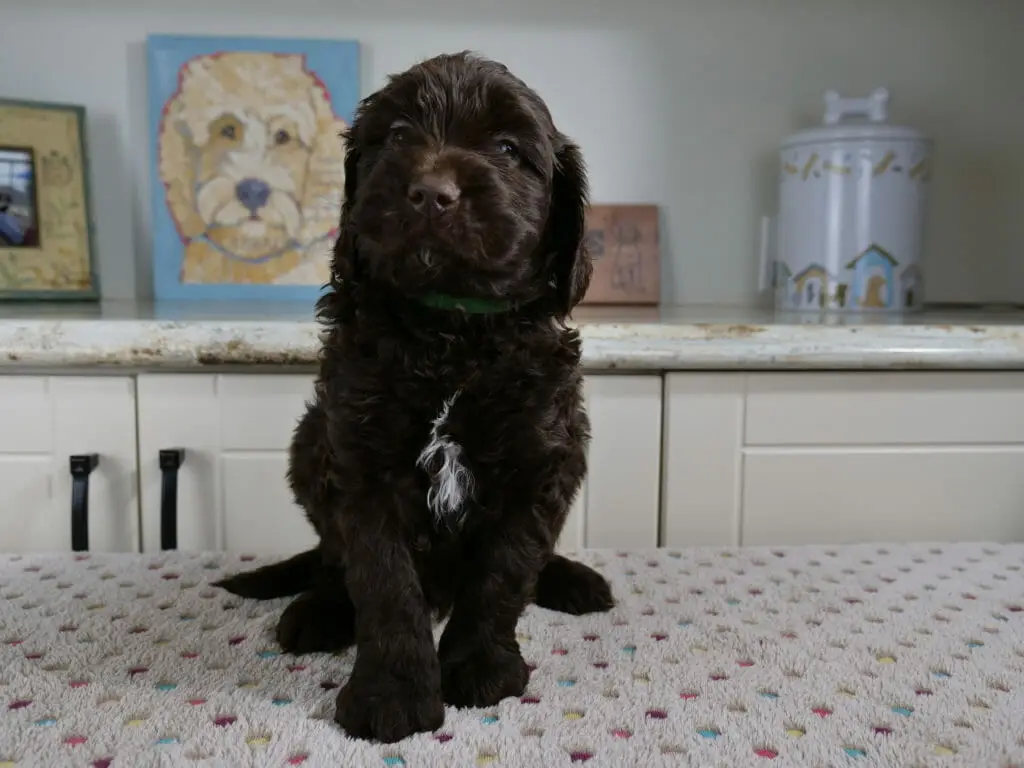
x: 82, y: 466
x: 170, y: 460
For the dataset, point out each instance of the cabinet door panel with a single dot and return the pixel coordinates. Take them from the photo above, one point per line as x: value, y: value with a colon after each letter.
x: 263, y: 518
x: 232, y: 487
x: 702, y: 459
x: 624, y: 461
x: 44, y: 421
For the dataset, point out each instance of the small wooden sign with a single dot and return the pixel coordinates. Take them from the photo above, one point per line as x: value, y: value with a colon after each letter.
x: 623, y: 241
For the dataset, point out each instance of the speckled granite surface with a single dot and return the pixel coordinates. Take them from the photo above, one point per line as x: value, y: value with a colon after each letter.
x: 202, y: 335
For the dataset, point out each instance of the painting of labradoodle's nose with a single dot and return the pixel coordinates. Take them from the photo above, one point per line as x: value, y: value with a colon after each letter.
x: 434, y: 193
x: 253, y: 194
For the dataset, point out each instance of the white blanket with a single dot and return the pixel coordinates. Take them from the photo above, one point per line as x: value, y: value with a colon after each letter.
x: 814, y: 656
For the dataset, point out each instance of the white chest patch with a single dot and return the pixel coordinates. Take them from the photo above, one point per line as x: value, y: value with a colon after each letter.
x: 451, y: 483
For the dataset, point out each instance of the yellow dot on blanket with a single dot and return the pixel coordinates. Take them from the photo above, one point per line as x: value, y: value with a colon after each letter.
x: 258, y: 741
x: 486, y: 758
x: 573, y: 714
x: 886, y: 660
x: 135, y: 721
x: 796, y: 733
x: 940, y: 749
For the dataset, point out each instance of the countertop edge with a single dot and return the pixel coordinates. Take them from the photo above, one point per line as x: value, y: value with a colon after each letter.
x: 624, y: 346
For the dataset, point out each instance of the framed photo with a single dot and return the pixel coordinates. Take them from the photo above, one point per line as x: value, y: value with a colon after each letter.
x: 247, y: 163
x: 46, y: 243
x: 623, y: 240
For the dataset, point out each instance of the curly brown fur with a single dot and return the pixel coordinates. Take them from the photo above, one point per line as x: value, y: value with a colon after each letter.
x: 467, y: 531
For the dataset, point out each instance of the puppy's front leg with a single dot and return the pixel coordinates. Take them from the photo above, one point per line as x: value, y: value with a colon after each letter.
x: 395, y: 687
x: 480, y: 659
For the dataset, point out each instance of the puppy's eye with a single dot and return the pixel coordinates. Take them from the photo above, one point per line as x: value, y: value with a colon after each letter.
x: 506, y: 147
x: 399, y: 134
x: 282, y: 137
x: 228, y: 131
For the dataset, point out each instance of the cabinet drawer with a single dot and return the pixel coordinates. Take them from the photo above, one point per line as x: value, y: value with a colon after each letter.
x: 795, y: 496
x: 884, y: 408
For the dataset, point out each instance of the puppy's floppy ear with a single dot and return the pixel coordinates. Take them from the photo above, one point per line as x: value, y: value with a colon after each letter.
x: 570, y: 265
x: 345, y: 262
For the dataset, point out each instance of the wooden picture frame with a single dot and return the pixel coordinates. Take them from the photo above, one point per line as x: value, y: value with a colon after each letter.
x: 623, y: 241
x: 47, y: 250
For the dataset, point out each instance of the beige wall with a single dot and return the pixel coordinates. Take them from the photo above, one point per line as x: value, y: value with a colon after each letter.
x: 679, y: 103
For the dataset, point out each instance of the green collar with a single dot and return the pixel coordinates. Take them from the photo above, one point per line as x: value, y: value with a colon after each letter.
x: 467, y: 305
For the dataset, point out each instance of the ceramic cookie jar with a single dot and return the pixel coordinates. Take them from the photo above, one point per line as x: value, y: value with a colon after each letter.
x: 853, y: 196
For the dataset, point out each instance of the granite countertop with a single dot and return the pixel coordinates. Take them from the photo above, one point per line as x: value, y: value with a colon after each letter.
x: 191, y: 335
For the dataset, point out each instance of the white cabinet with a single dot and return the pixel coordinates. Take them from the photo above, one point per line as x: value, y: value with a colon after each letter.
x: 44, y: 421
x: 622, y: 487
x: 794, y: 458
x: 702, y: 459
x: 235, y: 430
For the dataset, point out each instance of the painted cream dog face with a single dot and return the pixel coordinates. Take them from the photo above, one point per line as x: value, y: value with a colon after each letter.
x: 252, y: 155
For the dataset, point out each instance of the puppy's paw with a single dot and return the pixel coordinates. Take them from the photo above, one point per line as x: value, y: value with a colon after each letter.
x: 570, y: 587
x: 317, y: 622
x: 482, y: 677
x: 258, y: 584
x: 375, y: 704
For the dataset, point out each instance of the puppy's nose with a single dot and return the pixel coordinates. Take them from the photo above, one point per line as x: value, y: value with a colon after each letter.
x: 434, y: 192
x: 252, y: 193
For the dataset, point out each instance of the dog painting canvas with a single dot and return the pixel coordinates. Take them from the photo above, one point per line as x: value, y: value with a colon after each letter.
x: 247, y: 155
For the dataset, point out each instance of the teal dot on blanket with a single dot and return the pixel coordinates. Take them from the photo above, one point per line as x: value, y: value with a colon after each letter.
x: 630, y: 649
x: 46, y: 721
x: 167, y: 740
x: 166, y: 686
x: 393, y: 760
x: 768, y: 694
x: 905, y: 711
x: 567, y: 682
x: 854, y: 752
x: 280, y: 702
x: 489, y: 719
x: 709, y: 733
x: 268, y: 654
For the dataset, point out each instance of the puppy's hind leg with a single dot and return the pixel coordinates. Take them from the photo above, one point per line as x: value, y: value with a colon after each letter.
x: 570, y: 587
x: 284, y: 579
